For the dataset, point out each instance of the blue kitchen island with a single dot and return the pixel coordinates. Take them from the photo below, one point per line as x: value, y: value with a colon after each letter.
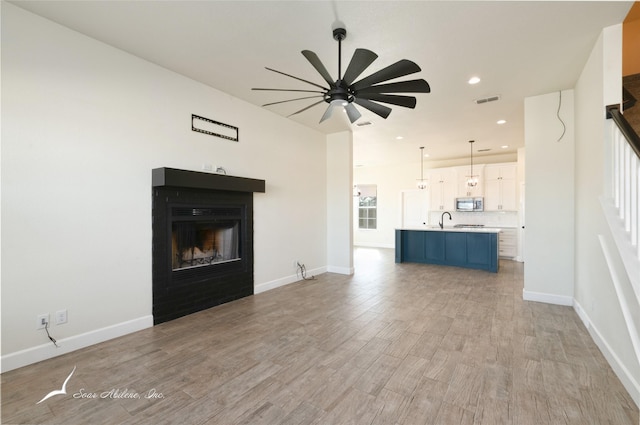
x: 475, y: 248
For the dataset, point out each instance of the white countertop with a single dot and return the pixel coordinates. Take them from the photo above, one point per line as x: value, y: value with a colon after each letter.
x: 454, y: 229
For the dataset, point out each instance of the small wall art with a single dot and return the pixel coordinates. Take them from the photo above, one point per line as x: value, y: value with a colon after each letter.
x: 214, y: 128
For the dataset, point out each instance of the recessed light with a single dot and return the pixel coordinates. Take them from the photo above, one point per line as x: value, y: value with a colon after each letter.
x: 474, y: 80
x: 399, y: 138
x: 426, y: 155
x: 500, y: 122
x: 504, y: 146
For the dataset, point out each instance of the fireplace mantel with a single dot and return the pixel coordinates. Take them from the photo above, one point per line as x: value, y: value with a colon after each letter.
x: 172, y: 177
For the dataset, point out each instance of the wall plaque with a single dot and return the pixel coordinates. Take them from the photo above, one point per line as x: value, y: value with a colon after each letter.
x: 214, y: 128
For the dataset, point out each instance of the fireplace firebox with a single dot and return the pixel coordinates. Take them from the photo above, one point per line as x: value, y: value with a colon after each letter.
x: 202, y: 246
x: 204, y: 236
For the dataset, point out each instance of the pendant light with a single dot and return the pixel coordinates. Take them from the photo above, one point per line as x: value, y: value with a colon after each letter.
x: 422, y: 184
x: 472, y: 181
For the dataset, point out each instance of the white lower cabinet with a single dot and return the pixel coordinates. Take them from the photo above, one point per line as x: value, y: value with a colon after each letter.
x: 508, y: 242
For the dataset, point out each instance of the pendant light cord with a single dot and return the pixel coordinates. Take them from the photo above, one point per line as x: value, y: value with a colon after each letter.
x: 421, y: 164
x: 471, y: 147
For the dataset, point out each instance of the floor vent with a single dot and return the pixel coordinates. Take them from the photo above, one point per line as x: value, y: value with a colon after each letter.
x: 487, y: 99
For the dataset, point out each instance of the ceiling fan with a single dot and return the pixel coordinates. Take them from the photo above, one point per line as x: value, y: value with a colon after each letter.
x: 367, y: 92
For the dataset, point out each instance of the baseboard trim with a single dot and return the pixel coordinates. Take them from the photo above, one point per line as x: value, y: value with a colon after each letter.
x: 582, y: 314
x: 341, y: 270
x: 374, y: 245
x: 547, y: 298
x: 46, y: 351
x: 626, y: 378
x: 267, y: 286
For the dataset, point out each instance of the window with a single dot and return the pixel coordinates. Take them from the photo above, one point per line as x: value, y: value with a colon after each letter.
x: 367, y: 206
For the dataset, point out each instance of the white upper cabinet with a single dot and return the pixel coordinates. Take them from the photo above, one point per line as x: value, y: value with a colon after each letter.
x: 442, y: 184
x: 500, y: 187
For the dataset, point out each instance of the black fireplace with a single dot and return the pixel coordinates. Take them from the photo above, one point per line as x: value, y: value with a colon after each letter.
x: 202, y: 240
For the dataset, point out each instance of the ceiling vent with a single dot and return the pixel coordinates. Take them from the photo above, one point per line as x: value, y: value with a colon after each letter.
x: 487, y: 99
x: 362, y: 124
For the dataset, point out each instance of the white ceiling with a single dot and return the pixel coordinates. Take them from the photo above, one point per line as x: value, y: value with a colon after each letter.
x: 518, y: 49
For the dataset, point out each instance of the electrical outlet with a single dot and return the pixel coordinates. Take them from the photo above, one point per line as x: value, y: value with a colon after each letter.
x: 207, y: 167
x: 61, y: 317
x: 42, y: 320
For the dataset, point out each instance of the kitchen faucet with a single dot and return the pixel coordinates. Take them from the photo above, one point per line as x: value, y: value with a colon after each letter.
x: 441, y: 223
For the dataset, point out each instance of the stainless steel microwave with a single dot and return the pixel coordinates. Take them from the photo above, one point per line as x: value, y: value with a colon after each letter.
x: 469, y: 204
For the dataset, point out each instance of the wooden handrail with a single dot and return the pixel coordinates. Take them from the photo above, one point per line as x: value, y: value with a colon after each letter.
x: 613, y: 112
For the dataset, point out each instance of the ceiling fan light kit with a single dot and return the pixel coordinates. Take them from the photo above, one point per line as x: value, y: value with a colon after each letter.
x: 367, y: 92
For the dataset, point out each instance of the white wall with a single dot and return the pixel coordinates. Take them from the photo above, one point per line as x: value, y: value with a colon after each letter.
x: 339, y: 205
x: 390, y: 181
x: 595, y: 297
x: 83, y: 125
x: 549, y: 198
x: 564, y: 217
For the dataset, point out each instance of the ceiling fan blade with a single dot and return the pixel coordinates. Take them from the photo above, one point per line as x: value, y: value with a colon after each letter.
x: 304, y: 109
x: 411, y: 86
x: 295, y: 90
x: 352, y: 112
x: 317, y: 64
x: 406, y: 101
x: 361, y: 59
x: 289, y: 100
x: 398, y: 69
x: 296, y: 78
x: 376, y: 108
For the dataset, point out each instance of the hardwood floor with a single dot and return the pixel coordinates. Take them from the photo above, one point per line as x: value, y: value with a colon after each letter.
x: 393, y: 344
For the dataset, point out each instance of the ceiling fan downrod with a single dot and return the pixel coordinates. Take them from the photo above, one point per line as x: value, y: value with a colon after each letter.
x: 339, y: 34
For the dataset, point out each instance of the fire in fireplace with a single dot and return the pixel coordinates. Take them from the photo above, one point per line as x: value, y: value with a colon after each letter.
x: 204, y: 236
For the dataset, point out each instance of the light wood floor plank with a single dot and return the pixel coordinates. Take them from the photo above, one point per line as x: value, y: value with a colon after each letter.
x: 392, y: 407
x: 394, y: 344
x: 376, y: 376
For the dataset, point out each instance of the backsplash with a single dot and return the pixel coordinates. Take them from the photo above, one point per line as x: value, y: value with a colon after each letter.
x: 487, y: 218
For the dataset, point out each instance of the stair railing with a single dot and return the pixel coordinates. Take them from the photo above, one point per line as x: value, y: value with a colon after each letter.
x: 626, y: 175
x: 621, y: 209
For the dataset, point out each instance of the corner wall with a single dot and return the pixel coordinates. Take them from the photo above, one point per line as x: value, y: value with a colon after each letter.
x: 549, y: 198
x: 595, y: 297
x: 83, y: 125
x: 339, y: 202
